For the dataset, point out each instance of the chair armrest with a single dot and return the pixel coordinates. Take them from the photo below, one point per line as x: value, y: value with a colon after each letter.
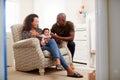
x: 28, y: 51
x: 31, y: 45
x: 27, y: 43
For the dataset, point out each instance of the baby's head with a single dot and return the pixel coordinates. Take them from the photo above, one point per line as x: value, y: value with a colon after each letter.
x: 46, y: 31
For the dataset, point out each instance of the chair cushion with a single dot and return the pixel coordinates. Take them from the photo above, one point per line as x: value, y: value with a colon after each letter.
x: 48, y: 54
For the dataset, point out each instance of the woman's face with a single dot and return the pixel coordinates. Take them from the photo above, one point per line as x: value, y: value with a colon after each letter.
x: 35, y: 22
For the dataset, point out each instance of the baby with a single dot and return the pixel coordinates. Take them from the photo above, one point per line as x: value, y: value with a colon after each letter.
x: 45, y: 36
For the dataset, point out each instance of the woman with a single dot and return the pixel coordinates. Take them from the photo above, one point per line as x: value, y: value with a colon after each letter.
x: 30, y: 29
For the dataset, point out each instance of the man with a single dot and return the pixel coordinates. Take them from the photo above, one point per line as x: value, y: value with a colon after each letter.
x: 64, y: 30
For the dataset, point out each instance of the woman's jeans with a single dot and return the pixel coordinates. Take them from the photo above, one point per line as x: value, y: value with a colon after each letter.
x: 53, y: 48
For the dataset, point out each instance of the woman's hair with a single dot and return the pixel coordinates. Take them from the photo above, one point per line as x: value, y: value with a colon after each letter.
x: 44, y: 30
x: 27, y: 24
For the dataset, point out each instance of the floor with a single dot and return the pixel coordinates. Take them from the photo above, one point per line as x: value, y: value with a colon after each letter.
x: 50, y: 74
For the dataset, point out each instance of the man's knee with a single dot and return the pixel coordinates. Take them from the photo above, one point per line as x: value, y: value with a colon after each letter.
x: 71, y: 44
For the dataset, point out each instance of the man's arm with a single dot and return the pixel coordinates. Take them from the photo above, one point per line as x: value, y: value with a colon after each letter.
x: 69, y: 38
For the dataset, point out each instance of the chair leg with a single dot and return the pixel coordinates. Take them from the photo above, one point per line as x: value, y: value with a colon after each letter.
x: 41, y: 71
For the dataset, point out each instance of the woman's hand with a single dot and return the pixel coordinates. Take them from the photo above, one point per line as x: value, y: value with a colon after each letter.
x: 35, y: 34
x: 38, y: 35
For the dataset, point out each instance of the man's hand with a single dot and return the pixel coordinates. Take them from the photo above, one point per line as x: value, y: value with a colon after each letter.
x: 35, y: 34
x: 55, y: 36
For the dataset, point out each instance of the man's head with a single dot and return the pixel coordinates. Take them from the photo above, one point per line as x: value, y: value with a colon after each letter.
x: 61, y: 19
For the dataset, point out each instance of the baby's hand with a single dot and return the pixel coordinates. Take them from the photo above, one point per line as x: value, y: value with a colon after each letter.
x: 43, y: 43
x: 51, y: 33
x: 47, y: 39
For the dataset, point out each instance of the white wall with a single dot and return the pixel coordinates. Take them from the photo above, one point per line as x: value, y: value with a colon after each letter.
x: 25, y: 8
x: 114, y: 39
x: 72, y: 9
x: 47, y: 11
x: 12, y: 13
x: 16, y: 11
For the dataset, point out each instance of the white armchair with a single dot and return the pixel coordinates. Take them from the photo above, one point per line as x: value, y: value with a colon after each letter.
x: 28, y: 54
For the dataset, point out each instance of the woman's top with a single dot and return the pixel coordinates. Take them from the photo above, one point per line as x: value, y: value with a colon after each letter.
x: 27, y: 34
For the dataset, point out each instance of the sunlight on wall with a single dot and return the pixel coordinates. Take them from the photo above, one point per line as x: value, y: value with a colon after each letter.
x: 12, y: 14
x: 47, y: 11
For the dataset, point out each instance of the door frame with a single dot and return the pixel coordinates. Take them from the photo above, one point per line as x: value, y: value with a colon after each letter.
x: 101, y: 12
